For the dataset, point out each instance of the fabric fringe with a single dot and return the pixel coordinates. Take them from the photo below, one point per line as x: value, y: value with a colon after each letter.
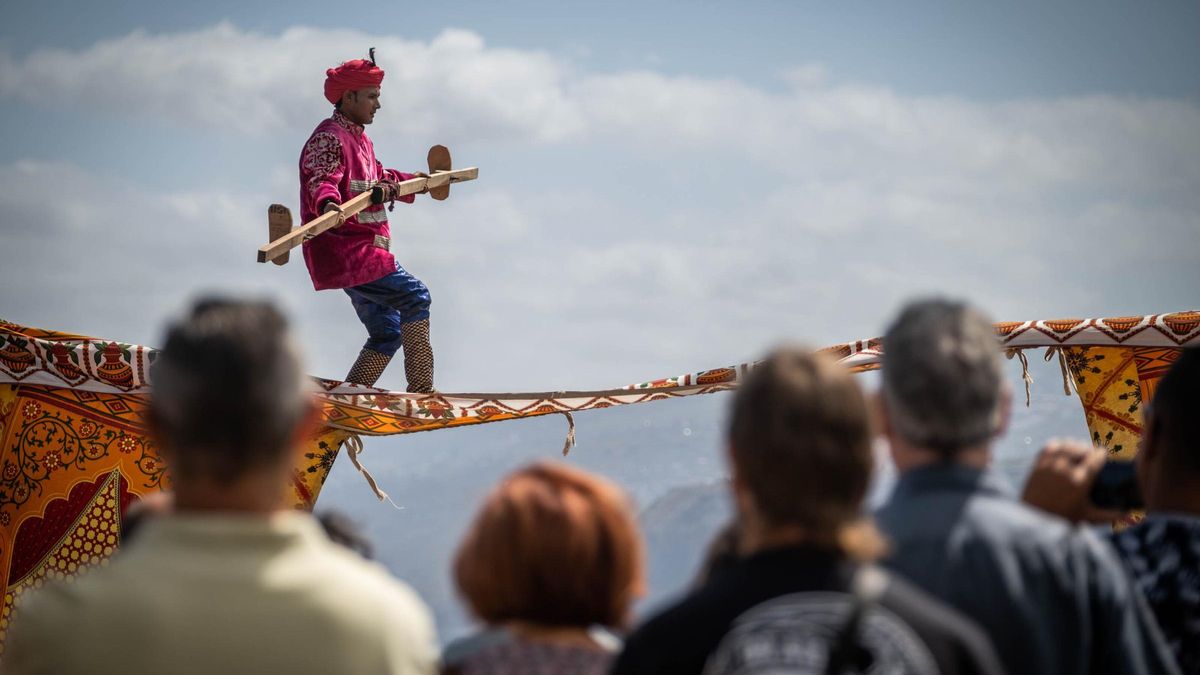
x: 1025, y: 375
x: 1068, y: 381
x: 570, y: 441
x: 354, y: 447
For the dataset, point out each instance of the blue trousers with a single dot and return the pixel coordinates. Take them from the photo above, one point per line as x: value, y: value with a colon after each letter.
x: 382, y: 305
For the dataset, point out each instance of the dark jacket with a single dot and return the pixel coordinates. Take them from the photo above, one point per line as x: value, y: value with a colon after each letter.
x: 1053, y: 597
x: 798, y: 598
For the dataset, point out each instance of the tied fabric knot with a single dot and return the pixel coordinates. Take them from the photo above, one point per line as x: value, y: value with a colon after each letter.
x: 354, y: 447
x: 1068, y: 381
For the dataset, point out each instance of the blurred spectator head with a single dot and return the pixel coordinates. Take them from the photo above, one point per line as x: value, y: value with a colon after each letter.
x: 554, y: 546
x: 943, y: 379
x: 1169, y: 452
x: 342, y: 530
x: 230, y: 395
x: 800, y: 447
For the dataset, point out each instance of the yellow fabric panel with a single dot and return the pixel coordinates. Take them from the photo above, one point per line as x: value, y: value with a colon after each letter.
x: 1110, y: 389
x: 313, y: 463
x: 1114, y: 384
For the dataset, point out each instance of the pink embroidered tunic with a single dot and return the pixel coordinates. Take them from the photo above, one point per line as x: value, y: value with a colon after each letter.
x: 338, y: 162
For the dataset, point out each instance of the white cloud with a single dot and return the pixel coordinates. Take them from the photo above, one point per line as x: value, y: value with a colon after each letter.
x: 455, y: 86
x: 228, y: 79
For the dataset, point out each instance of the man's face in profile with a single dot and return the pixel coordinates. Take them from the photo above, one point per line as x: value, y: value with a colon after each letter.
x: 360, y: 105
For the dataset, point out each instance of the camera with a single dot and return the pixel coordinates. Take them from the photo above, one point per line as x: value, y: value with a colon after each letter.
x: 1116, y: 487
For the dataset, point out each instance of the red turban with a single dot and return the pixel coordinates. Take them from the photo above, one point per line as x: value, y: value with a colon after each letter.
x: 351, y: 76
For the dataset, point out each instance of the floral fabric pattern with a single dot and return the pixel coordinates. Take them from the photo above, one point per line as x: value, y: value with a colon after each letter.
x: 321, y: 159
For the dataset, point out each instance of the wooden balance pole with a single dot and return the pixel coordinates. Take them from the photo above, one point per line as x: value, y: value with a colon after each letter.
x: 441, y: 177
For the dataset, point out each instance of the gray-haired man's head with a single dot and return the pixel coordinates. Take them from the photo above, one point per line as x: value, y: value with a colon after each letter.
x: 943, y: 378
x: 229, y: 390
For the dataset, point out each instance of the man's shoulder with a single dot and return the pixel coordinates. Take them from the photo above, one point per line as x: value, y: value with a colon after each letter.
x: 915, y: 606
x: 58, y: 606
x: 947, y: 631
x: 1160, y: 532
x: 902, y: 626
x: 679, y: 637
x: 328, y: 129
x: 355, y: 581
x: 791, y: 632
x: 361, y: 597
x: 1157, y: 544
x: 329, y: 574
x: 327, y: 124
x: 679, y: 619
x: 971, y: 516
x: 998, y: 534
x: 304, y: 583
x: 92, y: 587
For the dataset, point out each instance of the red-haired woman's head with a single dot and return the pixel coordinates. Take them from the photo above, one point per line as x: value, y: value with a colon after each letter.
x: 552, y: 545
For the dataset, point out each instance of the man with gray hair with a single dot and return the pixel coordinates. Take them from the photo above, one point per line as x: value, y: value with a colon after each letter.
x: 1053, y: 597
x: 229, y: 579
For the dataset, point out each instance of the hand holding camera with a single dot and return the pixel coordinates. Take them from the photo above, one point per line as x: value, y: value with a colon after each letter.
x: 1080, y: 483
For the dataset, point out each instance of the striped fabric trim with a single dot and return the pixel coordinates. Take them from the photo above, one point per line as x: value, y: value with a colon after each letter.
x: 359, y: 186
x: 379, y: 216
x: 34, y: 356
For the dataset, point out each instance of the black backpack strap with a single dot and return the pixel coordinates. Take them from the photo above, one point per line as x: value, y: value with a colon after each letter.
x: 847, y: 653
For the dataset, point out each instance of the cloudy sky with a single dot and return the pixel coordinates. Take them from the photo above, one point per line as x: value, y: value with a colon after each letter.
x: 664, y: 187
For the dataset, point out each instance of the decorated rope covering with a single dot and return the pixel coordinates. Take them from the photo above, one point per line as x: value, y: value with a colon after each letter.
x: 74, y: 453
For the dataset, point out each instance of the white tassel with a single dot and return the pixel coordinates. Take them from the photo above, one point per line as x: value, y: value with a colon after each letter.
x: 570, y: 442
x: 1020, y: 354
x: 354, y: 447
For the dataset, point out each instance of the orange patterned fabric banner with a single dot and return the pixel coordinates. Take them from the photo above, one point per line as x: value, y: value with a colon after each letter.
x: 70, y: 463
x: 74, y: 453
